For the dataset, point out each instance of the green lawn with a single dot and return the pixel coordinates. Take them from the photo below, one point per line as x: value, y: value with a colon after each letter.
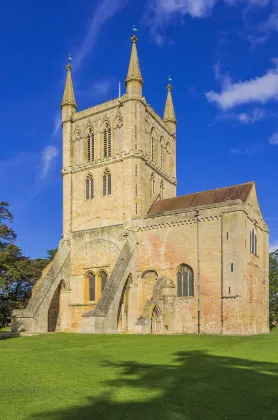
x: 73, y: 377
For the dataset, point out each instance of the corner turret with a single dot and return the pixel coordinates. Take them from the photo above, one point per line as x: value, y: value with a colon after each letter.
x: 134, y: 80
x: 68, y: 104
x: 169, y: 112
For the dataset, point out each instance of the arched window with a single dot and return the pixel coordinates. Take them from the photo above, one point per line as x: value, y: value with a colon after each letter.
x: 185, y: 281
x: 89, y: 187
x: 90, y: 146
x: 253, y: 241
x: 92, y: 287
x: 161, y: 189
x: 103, y: 279
x: 107, y: 183
x: 107, y: 147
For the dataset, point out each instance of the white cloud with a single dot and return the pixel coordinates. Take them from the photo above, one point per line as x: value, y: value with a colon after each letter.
x: 273, y: 246
x: 101, y: 88
x: 255, y: 149
x: 250, y: 117
x: 161, y: 12
x: 48, y: 154
x: 57, y: 125
x: 273, y: 139
x: 105, y: 10
x: 260, y: 89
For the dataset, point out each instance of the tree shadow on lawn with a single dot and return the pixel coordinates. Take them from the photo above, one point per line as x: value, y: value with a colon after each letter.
x: 196, y: 385
x: 7, y: 335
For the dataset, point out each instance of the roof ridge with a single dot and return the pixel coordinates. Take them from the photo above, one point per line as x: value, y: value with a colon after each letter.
x: 212, y: 189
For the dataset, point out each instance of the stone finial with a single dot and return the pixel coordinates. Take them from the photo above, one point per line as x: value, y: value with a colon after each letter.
x: 134, y: 72
x: 69, y: 98
x: 169, y: 112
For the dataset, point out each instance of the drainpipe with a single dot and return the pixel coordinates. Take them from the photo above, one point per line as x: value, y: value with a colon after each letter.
x: 222, y: 283
x: 198, y: 271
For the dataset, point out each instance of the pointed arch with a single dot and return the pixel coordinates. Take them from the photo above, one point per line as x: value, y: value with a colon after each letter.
x: 89, y: 187
x: 106, y: 139
x: 156, y: 321
x: 77, y: 147
x: 147, y: 126
x: 90, y: 144
x: 118, y: 134
x: 90, y: 287
x: 153, y: 145
x: 254, y: 241
x: 107, y: 182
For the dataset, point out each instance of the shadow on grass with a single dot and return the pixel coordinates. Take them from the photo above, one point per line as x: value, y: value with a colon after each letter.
x: 6, y: 335
x: 194, y: 386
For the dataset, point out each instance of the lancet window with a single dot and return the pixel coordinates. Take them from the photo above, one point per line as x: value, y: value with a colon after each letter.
x: 92, y: 287
x: 253, y: 241
x: 90, y: 146
x: 107, y: 182
x: 89, y: 187
x: 185, y: 281
x: 107, y: 145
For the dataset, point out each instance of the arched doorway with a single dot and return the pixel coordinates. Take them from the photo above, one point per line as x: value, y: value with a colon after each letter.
x: 156, y: 321
x: 54, y: 309
x: 124, y: 307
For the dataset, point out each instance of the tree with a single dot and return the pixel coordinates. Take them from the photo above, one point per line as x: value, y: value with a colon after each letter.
x: 50, y: 253
x: 18, y: 273
x: 7, y: 234
x: 273, y: 287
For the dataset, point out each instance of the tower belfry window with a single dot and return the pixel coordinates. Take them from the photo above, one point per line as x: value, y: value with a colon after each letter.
x: 107, y: 146
x: 90, y: 146
x: 107, y: 183
x: 89, y: 187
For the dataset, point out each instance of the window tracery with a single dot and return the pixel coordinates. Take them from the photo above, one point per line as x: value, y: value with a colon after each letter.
x: 90, y: 146
x: 107, y: 182
x: 107, y: 145
x: 89, y: 187
x: 185, y: 281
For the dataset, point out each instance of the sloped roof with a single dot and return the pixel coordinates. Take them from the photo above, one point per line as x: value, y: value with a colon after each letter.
x: 204, y: 198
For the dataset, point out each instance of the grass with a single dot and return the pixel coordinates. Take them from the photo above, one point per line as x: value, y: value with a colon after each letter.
x: 74, y: 377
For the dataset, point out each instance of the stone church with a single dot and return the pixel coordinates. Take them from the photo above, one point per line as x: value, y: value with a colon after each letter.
x: 134, y: 257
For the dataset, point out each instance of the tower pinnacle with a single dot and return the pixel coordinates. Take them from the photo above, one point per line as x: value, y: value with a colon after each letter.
x: 169, y: 112
x: 69, y: 98
x: 134, y: 80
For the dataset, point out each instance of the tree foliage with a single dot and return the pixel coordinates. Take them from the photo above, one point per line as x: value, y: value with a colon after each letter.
x: 273, y: 287
x: 18, y: 273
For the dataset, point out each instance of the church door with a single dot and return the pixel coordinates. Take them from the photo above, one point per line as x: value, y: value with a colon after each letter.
x: 156, y: 321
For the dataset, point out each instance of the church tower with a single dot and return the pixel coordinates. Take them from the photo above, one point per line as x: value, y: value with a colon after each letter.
x: 118, y: 157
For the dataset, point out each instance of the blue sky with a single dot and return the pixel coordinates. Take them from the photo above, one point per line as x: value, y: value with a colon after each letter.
x: 223, y: 59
